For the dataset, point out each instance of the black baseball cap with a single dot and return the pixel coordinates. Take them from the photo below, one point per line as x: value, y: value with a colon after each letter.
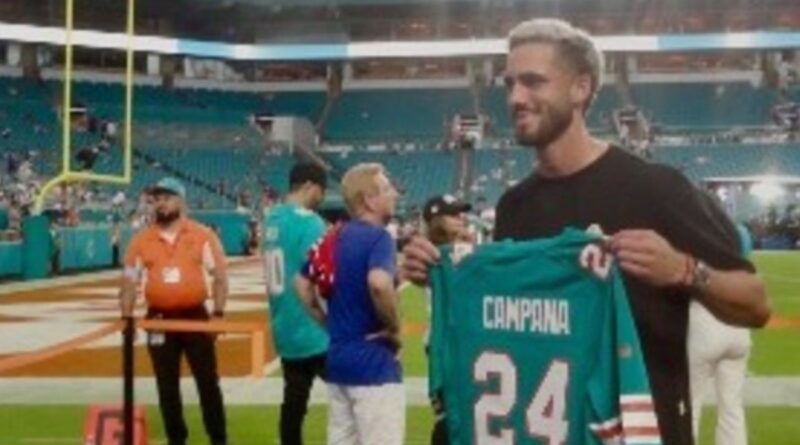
x: 444, y: 205
x: 308, y: 172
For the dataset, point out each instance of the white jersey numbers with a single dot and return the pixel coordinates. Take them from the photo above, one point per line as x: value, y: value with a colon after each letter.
x: 545, y: 413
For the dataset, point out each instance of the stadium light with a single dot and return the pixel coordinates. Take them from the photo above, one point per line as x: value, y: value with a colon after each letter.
x: 767, y: 191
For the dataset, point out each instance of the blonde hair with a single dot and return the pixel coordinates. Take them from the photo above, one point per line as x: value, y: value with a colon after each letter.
x: 575, y: 47
x: 359, y: 182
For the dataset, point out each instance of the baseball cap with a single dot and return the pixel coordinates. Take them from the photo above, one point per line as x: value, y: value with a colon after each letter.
x: 169, y: 185
x: 308, y: 172
x: 444, y: 205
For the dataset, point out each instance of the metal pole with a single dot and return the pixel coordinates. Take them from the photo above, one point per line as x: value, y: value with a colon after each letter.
x: 127, y: 371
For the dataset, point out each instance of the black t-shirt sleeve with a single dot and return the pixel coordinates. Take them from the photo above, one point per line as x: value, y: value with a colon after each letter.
x: 501, y: 228
x: 694, y: 223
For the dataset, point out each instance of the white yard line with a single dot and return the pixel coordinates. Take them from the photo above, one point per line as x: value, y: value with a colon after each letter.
x: 24, y: 286
x: 271, y: 367
x: 89, y: 277
x: 759, y: 391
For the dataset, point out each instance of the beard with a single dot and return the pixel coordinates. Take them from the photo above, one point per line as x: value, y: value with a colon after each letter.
x: 554, y: 121
x: 166, y: 218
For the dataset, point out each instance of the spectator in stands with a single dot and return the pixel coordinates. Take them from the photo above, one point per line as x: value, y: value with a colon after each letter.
x: 12, y: 164
x: 119, y: 200
x: 668, y: 247
x: 72, y: 217
x: 15, y: 219
x: 25, y: 170
x: 87, y: 157
x: 243, y: 200
x: 144, y: 210
x: 366, y: 394
x: 171, y: 258
x: 253, y: 241
x: 55, y: 248
x: 291, y: 229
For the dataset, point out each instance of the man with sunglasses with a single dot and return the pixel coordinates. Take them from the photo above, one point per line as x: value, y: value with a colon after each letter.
x: 667, y: 241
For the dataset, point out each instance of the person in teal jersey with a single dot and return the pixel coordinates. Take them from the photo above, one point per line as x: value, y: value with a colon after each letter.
x: 290, y: 230
x: 585, y: 382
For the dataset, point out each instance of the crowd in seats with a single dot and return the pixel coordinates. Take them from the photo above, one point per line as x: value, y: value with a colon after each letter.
x: 204, y: 137
x: 404, y: 69
x: 290, y: 72
x: 639, y: 18
x: 495, y: 170
x: 417, y: 174
x: 732, y: 160
x: 692, y: 63
x: 777, y: 227
x: 19, y: 185
x: 701, y: 105
x: 394, y: 114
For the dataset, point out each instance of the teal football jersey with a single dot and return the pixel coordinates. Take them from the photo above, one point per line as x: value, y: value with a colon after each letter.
x: 289, y: 233
x: 534, y: 343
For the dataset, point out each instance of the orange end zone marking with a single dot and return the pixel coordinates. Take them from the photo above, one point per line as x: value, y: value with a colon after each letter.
x: 255, y: 329
x: 59, y: 348
x: 783, y: 322
x: 217, y: 326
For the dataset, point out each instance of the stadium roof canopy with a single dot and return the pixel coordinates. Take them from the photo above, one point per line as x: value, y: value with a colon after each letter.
x: 249, y: 21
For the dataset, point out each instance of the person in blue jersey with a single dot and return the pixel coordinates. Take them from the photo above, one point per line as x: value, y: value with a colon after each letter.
x: 290, y: 230
x: 366, y: 394
x: 668, y: 244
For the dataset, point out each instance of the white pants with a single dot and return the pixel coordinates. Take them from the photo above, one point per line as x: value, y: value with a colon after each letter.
x: 366, y: 415
x: 718, y: 355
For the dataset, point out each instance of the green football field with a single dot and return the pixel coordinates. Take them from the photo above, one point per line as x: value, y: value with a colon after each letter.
x: 258, y: 425
x: 775, y: 353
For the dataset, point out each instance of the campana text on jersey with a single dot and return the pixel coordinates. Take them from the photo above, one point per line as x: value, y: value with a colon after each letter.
x: 538, y: 315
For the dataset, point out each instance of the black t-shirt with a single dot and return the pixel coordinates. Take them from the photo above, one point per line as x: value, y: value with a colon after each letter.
x: 619, y: 191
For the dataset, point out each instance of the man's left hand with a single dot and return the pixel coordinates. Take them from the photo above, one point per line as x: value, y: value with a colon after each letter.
x: 646, y: 255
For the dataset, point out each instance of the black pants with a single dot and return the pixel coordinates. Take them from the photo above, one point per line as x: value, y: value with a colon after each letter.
x: 439, y: 434
x: 298, y: 377
x: 165, y: 353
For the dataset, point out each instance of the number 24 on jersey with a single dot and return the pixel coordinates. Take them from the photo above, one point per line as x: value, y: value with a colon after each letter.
x: 544, y: 416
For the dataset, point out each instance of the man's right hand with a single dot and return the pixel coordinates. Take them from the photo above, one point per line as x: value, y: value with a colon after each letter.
x: 420, y: 254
